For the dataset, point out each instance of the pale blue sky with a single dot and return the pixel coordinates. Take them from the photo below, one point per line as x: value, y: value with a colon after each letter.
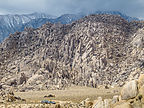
x: 58, y: 7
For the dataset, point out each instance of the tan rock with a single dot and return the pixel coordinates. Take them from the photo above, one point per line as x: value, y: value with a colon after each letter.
x: 122, y: 105
x: 99, y: 103
x: 115, y: 99
x: 120, y: 98
x: 86, y: 103
x: 142, y: 105
x: 141, y: 80
x: 141, y: 90
x: 106, y: 103
x: 1, y: 101
x: 130, y: 90
x: 94, y: 102
x: 136, y: 104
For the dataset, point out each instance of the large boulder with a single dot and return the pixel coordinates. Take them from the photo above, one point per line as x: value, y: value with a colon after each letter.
x: 130, y: 90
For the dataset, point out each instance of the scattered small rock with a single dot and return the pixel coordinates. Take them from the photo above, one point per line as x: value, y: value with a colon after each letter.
x: 50, y: 95
x: 115, y: 99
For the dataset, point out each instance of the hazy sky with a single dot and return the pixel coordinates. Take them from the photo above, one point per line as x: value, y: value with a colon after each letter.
x: 58, y: 7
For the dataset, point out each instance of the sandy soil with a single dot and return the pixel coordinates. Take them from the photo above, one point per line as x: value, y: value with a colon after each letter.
x: 74, y: 94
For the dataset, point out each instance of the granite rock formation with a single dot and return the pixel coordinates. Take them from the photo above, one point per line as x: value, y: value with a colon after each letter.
x: 95, y: 50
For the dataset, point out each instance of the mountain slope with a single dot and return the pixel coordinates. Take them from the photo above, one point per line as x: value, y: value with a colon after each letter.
x: 64, y: 19
x: 89, y: 52
x: 12, y: 23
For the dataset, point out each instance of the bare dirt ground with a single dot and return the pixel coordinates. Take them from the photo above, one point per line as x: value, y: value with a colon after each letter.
x: 74, y: 94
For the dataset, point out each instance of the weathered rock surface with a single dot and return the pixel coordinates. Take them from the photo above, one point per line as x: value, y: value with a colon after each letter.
x: 115, y: 99
x: 141, y: 80
x: 99, y: 103
x: 95, y: 50
x: 130, y: 90
x: 136, y: 101
x: 123, y: 105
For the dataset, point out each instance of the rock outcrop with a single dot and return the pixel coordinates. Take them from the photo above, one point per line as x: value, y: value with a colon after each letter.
x: 131, y: 96
x: 135, y: 101
x: 95, y: 50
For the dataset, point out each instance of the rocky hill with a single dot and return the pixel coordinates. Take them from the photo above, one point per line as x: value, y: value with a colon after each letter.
x: 95, y: 50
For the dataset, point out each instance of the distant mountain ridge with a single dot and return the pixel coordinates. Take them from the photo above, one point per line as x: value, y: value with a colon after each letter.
x: 68, y: 18
x: 64, y: 19
x: 12, y: 23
